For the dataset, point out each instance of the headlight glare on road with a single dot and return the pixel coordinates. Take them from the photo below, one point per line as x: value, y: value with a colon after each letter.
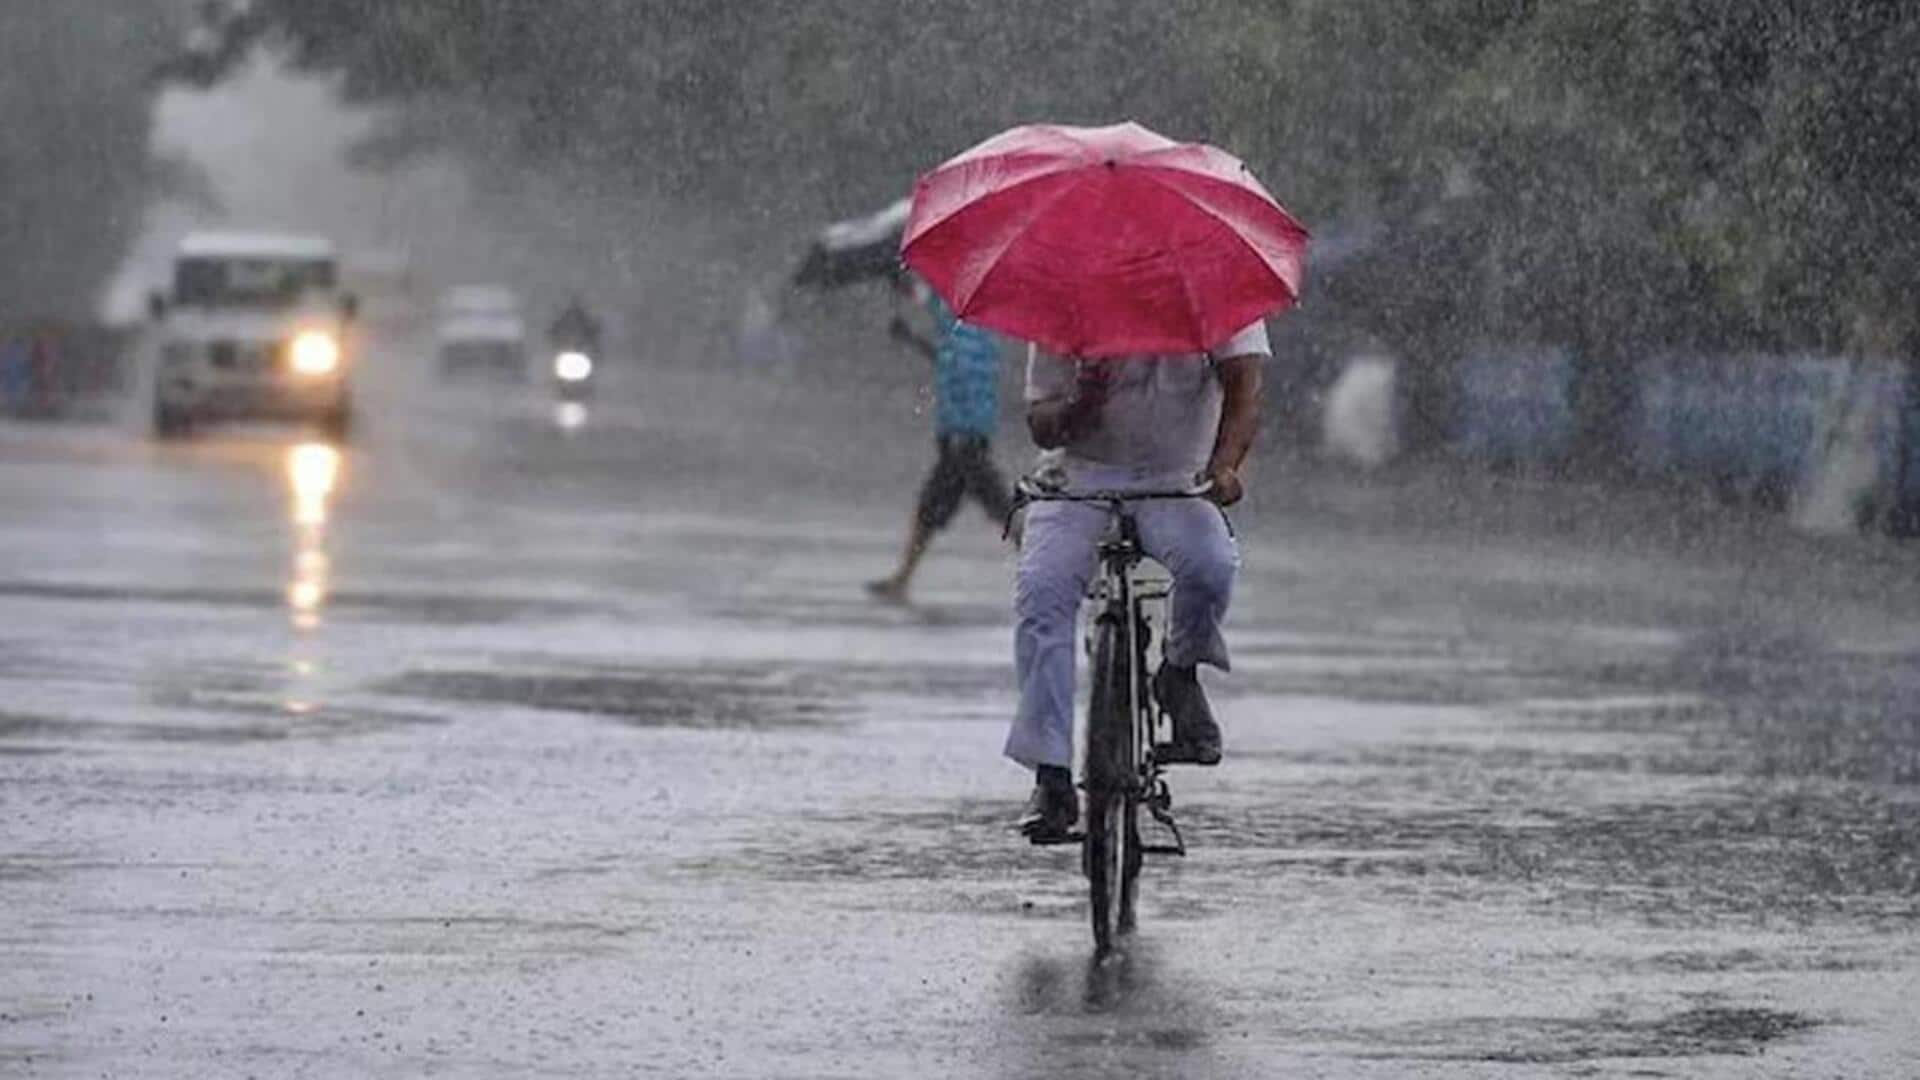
x: 315, y: 352
x: 312, y: 471
x: 572, y: 366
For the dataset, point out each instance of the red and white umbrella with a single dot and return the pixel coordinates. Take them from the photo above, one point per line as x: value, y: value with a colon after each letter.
x: 1102, y: 242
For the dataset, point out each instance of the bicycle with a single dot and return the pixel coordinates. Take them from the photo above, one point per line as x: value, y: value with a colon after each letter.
x: 1122, y: 773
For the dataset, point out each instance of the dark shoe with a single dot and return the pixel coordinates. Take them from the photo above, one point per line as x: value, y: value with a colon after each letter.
x: 1196, y: 737
x: 887, y: 589
x: 1051, y: 813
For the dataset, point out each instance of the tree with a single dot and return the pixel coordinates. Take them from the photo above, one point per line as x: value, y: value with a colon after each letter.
x: 770, y: 112
x: 1609, y: 176
x: 1613, y: 176
x: 75, y: 104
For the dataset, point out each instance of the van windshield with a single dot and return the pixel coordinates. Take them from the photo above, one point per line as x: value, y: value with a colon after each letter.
x: 249, y: 282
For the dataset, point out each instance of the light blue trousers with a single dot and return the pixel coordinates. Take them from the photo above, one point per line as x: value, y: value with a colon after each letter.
x: 1058, y: 557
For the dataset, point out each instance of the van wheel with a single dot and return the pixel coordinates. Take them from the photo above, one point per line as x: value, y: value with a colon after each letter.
x: 170, y: 422
x: 336, y: 423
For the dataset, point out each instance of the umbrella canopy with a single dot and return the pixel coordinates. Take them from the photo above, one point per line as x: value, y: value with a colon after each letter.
x: 855, y: 250
x: 1104, y: 241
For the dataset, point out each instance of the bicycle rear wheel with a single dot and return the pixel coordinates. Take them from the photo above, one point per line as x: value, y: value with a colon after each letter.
x: 1111, y: 855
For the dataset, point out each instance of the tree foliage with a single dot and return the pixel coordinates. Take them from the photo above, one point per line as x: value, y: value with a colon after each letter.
x: 1680, y: 169
x: 74, y: 168
x: 1602, y: 173
x: 1614, y: 176
x: 770, y: 112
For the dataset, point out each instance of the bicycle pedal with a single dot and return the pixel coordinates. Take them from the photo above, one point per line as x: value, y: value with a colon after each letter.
x: 1161, y: 810
x: 1175, y: 754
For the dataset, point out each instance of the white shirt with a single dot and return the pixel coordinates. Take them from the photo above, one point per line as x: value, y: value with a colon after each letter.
x: 1161, y: 417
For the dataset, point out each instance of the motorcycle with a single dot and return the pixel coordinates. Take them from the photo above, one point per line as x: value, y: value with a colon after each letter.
x: 572, y: 374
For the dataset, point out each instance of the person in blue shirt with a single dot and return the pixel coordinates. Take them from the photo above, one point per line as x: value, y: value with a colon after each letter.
x: 966, y: 393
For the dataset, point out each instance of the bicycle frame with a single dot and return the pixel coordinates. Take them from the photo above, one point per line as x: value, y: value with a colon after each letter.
x: 1122, y: 773
x: 1121, y: 595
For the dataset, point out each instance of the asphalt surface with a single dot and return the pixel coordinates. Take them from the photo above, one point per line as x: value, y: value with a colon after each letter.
x: 495, y: 745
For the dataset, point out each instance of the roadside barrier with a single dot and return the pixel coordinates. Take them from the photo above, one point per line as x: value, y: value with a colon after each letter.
x: 49, y: 369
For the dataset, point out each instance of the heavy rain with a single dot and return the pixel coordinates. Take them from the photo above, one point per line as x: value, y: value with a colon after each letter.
x: 535, y: 538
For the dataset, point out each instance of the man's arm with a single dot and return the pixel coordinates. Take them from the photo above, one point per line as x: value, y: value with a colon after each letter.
x: 1240, y: 381
x: 899, y: 331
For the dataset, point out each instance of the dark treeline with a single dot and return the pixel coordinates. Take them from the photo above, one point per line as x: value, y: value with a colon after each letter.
x: 75, y: 112
x: 773, y: 109
x: 1606, y: 175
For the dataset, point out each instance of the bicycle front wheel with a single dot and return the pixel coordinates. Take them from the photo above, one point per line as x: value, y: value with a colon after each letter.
x: 1111, y: 856
x: 1113, y: 866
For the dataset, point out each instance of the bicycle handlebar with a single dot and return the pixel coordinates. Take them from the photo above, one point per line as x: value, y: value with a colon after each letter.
x: 1026, y: 490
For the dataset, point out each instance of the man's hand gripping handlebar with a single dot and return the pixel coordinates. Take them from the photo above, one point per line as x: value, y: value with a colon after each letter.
x: 1029, y: 489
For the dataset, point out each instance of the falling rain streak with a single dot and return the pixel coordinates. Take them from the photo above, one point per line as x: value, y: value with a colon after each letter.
x: 488, y: 585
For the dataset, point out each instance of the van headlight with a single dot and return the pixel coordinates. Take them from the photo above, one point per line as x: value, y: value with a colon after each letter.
x: 315, y: 352
x: 572, y: 366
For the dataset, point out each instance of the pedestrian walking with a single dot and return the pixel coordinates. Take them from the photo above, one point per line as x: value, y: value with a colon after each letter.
x: 16, y: 373
x: 966, y: 393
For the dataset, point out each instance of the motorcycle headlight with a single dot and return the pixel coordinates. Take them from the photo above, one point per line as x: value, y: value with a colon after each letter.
x: 315, y: 352
x: 572, y: 366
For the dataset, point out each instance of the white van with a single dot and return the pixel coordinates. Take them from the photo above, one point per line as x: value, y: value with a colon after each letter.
x: 255, y: 325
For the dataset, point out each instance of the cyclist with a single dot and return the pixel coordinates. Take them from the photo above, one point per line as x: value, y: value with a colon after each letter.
x: 575, y: 328
x: 1138, y: 423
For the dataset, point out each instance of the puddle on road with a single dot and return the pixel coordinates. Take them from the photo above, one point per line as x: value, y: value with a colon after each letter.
x: 439, y: 609
x: 1744, y: 774
x: 1395, y: 668
x: 730, y: 697
x: 971, y: 841
x: 20, y: 661
x: 1705, y: 1030
x: 1752, y: 961
x: 1749, y: 853
x: 1125, y: 1015
x: 274, y: 722
x: 1745, y: 854
x: 480, y: 936
x: 1750, y: 777
x: 1384, y: 684
x: 1771, y: 703
x: 836, y: 607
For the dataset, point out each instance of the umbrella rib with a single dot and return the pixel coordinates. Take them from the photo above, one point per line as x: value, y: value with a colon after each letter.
x: 1064, y: 167
x: 1193, y: 305
x: 1150, y: 174
x: 1033, y: 216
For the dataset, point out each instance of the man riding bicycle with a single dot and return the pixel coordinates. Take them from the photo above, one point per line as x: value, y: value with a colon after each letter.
x: 1138, y: 423
x: 575, y: 328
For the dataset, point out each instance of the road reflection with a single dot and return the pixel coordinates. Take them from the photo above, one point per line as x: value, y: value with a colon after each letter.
x: 1087, y: 1016
x: 313, y: 473
x: 570, y: 415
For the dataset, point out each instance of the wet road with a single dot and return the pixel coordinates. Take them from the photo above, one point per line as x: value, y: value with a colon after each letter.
x: 497, y: 747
